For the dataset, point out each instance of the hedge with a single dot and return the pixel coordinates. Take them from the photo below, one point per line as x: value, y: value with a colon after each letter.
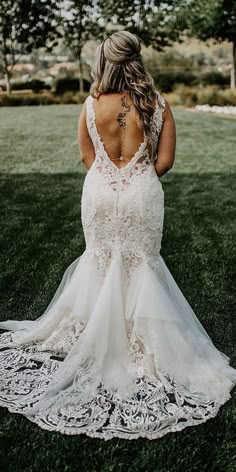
x: 69, y: 84
x: 35, y: 85
x: 41, y: 99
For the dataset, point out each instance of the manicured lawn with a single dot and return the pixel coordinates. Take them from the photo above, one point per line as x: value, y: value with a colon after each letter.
x: 41, y: 180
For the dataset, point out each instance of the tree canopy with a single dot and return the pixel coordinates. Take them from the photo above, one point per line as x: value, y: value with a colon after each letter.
x: 209, y: 19
x: 25, y: 25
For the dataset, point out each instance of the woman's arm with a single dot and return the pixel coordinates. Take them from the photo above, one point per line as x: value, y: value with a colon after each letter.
x: 167, y: 144
x: 86, y: 149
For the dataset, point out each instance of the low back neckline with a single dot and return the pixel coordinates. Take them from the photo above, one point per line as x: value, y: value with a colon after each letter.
x: 135, y: 157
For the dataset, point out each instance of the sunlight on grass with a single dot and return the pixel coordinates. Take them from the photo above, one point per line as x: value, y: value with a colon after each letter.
x: 44, y: 139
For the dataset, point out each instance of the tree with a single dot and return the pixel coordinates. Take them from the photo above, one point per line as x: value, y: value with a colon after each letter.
x: 210, y: 19
x: 80, y: 22
x: 146, y: 18
x: 25, y: 25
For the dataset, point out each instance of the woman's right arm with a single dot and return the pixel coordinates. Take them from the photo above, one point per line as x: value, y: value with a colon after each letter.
x: 87, y: 153
x: 167, y: 143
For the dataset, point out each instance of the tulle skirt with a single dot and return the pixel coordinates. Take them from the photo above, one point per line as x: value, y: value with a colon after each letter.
x: 112, y: 357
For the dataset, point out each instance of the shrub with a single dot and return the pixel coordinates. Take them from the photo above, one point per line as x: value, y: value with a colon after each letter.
x: 35, y: 85
x: 181, y: 96
x: 211, y: 95
x: 187, y: 96
x: 166, y: 81
x: 41, y: 99
x: 69, y: 84
x: 217, y: 96
x: 28, y: 100
x: 73, y: 98
x: 215, y: 78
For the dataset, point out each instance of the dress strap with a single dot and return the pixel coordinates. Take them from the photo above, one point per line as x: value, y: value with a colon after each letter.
x: 161, y: 101
x: 89, y: 112
x: 156, y: 122
x: 90, y: 121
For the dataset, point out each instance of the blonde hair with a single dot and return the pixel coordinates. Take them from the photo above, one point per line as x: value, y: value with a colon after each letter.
x: 119, y: 68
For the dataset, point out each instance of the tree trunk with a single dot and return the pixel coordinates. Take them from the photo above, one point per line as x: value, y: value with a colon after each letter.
x: 81, y: 79
x: 233, y: 70
x: 8, y: 83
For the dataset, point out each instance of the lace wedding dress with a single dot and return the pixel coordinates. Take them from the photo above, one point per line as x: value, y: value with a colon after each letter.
x: 119, y: 351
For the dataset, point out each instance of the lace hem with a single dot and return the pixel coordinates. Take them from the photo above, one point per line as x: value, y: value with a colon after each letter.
x: 118, y: 434
x: 157, y: 407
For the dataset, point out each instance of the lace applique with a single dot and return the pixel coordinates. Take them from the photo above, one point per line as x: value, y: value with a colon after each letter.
x: 158, y: 406
x: 157, y: 122
x: 65, y: 336
x: 135, y: 184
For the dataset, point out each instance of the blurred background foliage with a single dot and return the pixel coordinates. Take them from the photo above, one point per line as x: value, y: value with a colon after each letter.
x: 47, y: 49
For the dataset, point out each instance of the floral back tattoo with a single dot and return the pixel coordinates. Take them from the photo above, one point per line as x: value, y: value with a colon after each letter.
x: 121, y: 118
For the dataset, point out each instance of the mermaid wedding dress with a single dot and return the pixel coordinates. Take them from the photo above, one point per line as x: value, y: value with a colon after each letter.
x: 118, y: 351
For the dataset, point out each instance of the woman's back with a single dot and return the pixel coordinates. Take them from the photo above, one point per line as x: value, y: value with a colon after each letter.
x: 118, y: 126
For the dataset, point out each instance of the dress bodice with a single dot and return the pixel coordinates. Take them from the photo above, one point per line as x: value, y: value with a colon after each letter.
x: 122, y: 209
x: 147, y: 149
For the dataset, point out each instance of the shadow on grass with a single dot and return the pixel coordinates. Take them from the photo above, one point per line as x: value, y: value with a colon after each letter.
x: 41, y: 234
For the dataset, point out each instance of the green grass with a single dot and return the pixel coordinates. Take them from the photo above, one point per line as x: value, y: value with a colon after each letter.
x: 41, y: 180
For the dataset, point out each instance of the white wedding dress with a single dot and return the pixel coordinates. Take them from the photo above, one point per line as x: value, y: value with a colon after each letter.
x: 119, y: 351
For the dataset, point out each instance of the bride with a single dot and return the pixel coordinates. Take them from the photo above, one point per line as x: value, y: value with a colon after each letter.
x: 118, y: 352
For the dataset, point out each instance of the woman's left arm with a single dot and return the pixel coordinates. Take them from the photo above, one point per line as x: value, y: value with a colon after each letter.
x: 167, y: 143
x: 86, y: 148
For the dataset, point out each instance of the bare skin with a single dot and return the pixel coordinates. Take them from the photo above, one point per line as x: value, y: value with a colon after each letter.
x: 107, y: 107
x: 167, y: 143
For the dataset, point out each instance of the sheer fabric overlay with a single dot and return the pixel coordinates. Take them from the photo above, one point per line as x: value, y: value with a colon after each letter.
x: 118, y: 352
